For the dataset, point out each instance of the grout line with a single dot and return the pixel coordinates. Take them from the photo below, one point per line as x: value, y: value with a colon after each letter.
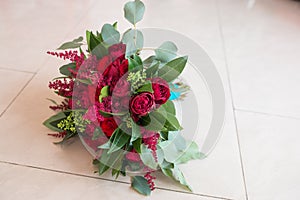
x: 13, y: 100
x: 16, y: 70
x: 105, y: 179
x: 231, y: 94
x: 265, y: 113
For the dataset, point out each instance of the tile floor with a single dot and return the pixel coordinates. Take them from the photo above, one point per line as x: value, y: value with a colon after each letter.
x: 256, y: 49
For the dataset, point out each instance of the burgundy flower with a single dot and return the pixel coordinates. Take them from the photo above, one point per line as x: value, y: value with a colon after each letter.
x: 108, y: 126
x: 133, y: 156
x: 161, y: 90
x: 122, y: 88
x: 142, y: 103
x: 123, y: 67
x: 104, y: 63
x: 117, y: 51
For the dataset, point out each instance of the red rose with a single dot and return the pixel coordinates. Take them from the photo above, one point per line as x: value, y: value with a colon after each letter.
x: 117, y: 51
x: 161, y: 90
x: 123, y: 67
x: 104, y: 63
x: 142, y: 103
x: 111, y: 76
x: 108, y: 126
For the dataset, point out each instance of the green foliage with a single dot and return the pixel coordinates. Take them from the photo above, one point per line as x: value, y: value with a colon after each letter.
x: 147, y: 157
x: 134, y: 41
x: 72, y: 44
x: 141, y: 185
x: 118, y: 140
x: 166, y: 52
x: 52, y: 122
x: 110, y: 35
x: 134, y: 11
x: 64, y: 70
x: 104, y: 93
x: 172, y: 69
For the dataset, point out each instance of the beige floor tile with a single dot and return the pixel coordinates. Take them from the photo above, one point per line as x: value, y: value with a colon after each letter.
x: 11, y: 83
x: 271, y: 155
x: 262, y: 46
x: 27, y: 183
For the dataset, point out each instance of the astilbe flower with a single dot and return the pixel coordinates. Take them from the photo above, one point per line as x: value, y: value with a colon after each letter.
x: 72, y: 56
x: 64, y: 105
x: 150, y: 179
x: 59, y: 134
x: 150, y: 139
x: 63, y: 87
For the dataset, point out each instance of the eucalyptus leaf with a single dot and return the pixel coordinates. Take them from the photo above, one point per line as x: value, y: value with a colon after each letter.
x: 166, y: 52
x: 72, y: 44
x: 172, y: 69
x: 134, y: 11
x: 190, y: 153
x: 134, y: 41
x: 147, y: 157
x: 140, y: 184
x: 110, y: 35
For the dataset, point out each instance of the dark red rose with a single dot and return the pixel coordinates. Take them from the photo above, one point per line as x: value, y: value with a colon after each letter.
x: 117, y: 51
x: 104, y: 63
x: 142, y: 103
x: 161, y: 90
x: 111, y: 75
x: 122, y: 88
x: 108, y: 126
x: 123, y: 67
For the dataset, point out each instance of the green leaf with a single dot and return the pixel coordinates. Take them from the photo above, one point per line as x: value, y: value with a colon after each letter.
x: 134, y: 41
x: 113, y: 160
x: 147, y: 157
x: 52, y: 122
x: 132, y: 64
x: 172, y: 124
x: 108, y: 114
x: 149, y: 61
x: 97, y: 133
x: 134, y: 11
x: 95, y: 45
x: 166, y: 52
x: 178, y: 176
x: 151, y: 71
x: 154, y: 121
x: 104, y: 93
x: 119, y: 140
x: 140, y: 184
x: 64, y: 70
x: 137, y: 145
x: 190, y: 153
x: 169, y: 107
x: 136, y: 132
x: 110, y: 35
x: 102, y: 168
x: 85, y: 81
x: 147, y: 87
x: 72, y: 45
x: 106, y: 145
x: 115, y: 25
x: 138, y: 59
x: 172, y: 69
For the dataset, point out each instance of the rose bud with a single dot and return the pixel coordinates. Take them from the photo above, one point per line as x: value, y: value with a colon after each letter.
x: 142, y: 103
x: 161, y: 90
x: 108, y: 126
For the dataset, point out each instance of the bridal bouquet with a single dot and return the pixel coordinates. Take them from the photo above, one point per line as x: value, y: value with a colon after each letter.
x: 122, y: 105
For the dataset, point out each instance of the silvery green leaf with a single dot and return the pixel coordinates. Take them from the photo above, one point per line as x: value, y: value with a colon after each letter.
x: 134, y: 11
